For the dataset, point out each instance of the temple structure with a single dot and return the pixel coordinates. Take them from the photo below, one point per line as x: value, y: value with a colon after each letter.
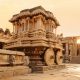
x: 71, y: 51
x: 34, y: 33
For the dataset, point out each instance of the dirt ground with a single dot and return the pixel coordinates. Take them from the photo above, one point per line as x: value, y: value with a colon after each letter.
x: 71, y: 72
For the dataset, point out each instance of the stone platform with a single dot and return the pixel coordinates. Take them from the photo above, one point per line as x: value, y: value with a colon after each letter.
x: 13, y: 71
x: 43, y: 69
x: 70, y: 72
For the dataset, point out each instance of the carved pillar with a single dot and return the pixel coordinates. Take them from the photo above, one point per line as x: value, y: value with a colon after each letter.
x: 39, y: 23
x: 25, y: 25
x: 19, y: 29
x: 66, y: 49
x: 43, y: 23
x: 19, y: 26
x: 33, y: 24
x: 52, y: 28
x: 67, y: 52
x: 55, y: 31
x: 13, y: 28
x: 49, y: 25
x: 28, y: 19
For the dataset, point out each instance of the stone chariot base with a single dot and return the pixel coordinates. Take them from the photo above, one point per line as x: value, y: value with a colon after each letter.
x: 13, y: 71
x: 43, y: 69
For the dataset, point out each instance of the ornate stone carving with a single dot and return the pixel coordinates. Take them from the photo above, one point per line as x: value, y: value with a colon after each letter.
x: 49, y: 57
x: 35, y: 31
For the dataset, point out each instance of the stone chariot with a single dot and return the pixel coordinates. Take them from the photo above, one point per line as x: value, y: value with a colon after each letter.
x: 34, y: 33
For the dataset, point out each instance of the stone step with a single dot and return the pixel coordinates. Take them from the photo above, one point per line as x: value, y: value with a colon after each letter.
x: 42, y: 69
x: 13, y: 71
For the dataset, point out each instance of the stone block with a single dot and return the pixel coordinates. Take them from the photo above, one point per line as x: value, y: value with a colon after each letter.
x: 43, y: 69
x: 13, y: 71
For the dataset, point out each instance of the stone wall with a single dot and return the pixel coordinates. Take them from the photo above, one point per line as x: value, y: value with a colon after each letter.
x: 75, y: 59
x: 71, y: 49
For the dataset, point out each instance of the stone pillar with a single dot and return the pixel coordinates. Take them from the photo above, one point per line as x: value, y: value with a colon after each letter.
x: 43, y: 24
x: 28, y: 24
x: 31, y: 28
x: 46, y: 25
x: 25, y: 25
x: 39, y: 23
x: 33, y: 24
x: 19, y: 28
x: 13, y: 28
x: 67, y: 53
x: 53, y: 27
x: 55, y: 31
x: 67, y: 49
x: 49, y: 25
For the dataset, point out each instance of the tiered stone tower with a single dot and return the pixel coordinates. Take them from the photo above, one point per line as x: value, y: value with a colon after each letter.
x: 34, y: 32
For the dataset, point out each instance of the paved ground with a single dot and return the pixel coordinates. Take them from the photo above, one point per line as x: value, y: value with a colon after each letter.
x: 71, y: 72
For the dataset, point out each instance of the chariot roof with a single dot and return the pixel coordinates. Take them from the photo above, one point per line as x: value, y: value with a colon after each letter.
x: 33, y: 12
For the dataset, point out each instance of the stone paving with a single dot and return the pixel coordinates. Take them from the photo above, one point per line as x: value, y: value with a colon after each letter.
x: 71, y: 72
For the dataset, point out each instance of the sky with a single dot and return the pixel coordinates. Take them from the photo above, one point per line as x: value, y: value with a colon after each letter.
x: 67, y: 13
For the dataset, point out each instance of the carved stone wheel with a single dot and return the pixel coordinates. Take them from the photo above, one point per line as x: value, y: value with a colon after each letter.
x: 49, y: 57
x: 59, y: 57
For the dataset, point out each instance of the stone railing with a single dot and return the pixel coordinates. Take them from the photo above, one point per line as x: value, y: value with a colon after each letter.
x: 8, y: 57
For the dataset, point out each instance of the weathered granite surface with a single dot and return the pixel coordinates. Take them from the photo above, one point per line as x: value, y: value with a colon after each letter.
x: 71, y: 72
x: 6, y: 72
